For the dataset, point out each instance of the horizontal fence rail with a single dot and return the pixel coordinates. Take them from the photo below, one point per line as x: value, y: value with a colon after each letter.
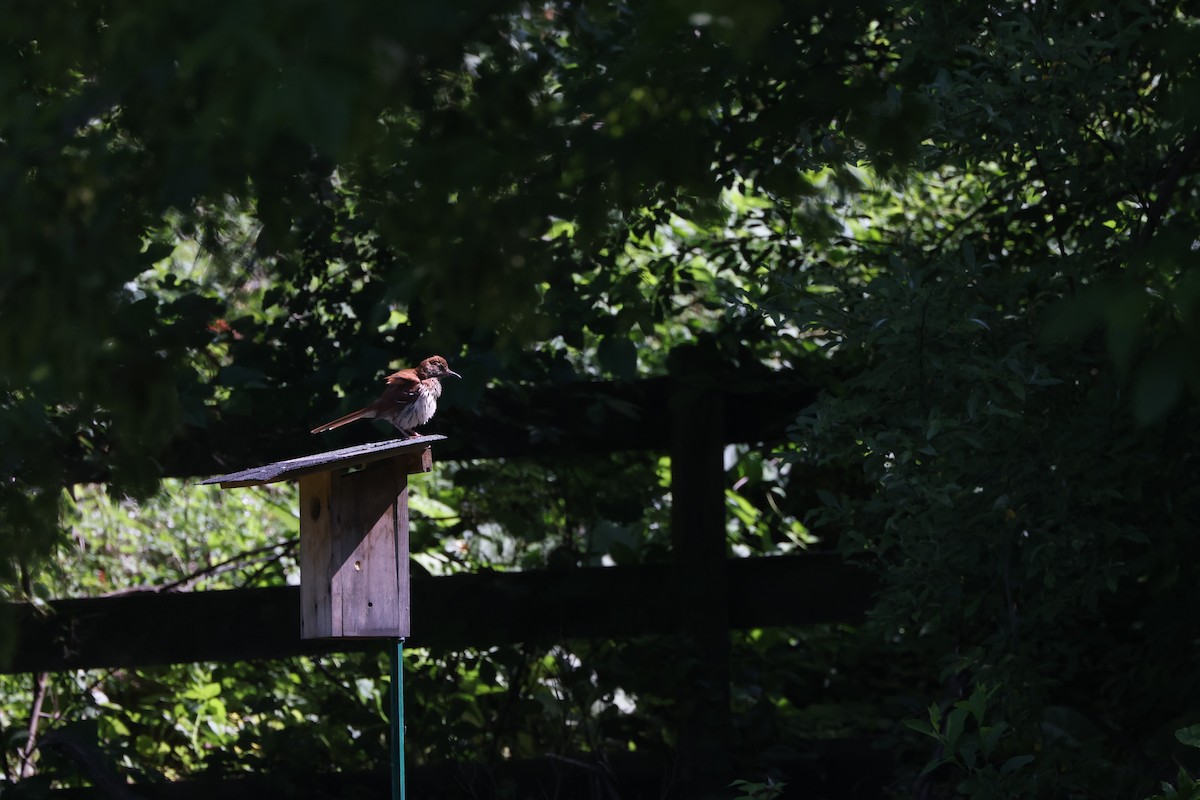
x: 849, y: 769
x: 576, y: 419
x: 451, y: 612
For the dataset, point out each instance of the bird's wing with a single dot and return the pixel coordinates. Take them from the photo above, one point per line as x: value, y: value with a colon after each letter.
x: 402, y: 387
x: 404, y: 376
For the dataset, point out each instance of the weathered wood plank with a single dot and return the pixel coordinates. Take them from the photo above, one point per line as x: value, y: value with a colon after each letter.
x: 366, y: 576
x: 316, y: 545
x: 476, y: 610
x: 354, y: 551
x: 345, y: 457
x: 401, y: 563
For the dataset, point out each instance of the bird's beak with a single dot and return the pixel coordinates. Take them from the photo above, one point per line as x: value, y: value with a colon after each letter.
x: 455, y: 374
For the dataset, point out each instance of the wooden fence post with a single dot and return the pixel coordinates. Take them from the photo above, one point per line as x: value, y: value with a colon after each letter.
x: 698, y: 539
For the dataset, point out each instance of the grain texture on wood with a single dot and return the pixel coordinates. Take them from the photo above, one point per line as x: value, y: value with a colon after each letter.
x: 371, y: 546
x: 316, y: 547
x: 354, y: 552
x: 414, y: 453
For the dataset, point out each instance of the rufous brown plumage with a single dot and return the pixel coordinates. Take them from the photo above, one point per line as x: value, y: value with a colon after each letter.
x: 409, y: 400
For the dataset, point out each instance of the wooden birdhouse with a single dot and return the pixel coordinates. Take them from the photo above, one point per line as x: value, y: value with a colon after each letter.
x: 354, y: 578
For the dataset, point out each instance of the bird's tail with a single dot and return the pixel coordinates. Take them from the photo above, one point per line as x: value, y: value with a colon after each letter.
x: 362, y: 413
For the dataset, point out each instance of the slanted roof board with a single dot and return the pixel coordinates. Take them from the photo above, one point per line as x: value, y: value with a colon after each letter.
x: 321, y: 462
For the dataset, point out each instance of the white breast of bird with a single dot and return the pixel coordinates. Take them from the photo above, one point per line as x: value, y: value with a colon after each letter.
x: 420, y: 409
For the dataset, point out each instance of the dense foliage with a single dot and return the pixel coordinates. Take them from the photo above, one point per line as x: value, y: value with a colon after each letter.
x: 222, y: 220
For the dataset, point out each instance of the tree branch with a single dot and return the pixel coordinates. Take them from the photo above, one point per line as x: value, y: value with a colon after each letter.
x: 1165, y: 188
x: 26, y: 767
x: 233, y: 562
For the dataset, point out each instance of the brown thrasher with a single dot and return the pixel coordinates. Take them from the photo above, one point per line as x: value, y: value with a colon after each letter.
x: 408, y: 401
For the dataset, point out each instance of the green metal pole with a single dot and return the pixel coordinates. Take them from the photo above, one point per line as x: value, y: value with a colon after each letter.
x: 398, y: 721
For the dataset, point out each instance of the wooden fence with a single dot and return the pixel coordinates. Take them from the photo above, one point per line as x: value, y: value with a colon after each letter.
x: 702, y: 594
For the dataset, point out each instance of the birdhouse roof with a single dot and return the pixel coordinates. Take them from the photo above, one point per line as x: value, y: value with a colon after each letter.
x: 323, y: 462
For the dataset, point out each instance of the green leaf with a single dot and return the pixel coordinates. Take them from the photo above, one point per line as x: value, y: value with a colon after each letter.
x: 921, y: 726
x: 1015, y: 763
x: 956, y: 722
x: 977, y: 704
x: 204, y: 692
x: 935, y: 716
x: 1189, y: 735
x: 991, y: 736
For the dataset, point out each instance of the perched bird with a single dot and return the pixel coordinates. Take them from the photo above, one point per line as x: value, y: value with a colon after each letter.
x: 408, y: 401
